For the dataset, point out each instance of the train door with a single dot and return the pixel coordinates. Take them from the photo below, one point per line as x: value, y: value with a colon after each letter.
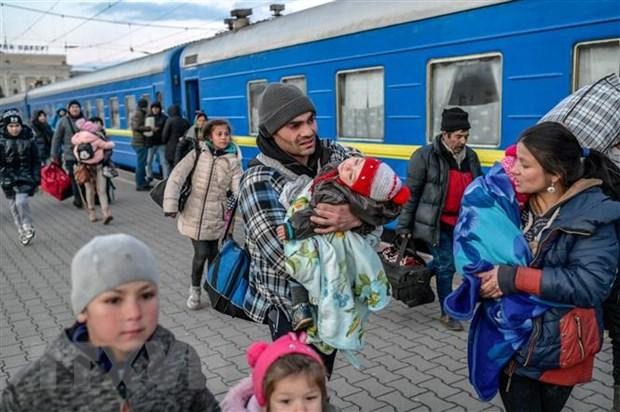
x: 192, y: 98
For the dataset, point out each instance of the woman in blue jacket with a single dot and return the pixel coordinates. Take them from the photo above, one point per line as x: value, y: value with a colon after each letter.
x: 572, y: 225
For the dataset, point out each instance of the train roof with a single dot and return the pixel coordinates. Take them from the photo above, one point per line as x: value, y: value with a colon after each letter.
x: 142, y: 66
x: 321, y: 22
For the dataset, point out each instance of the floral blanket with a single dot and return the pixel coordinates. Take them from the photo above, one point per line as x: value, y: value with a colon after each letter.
x: 345, y: 281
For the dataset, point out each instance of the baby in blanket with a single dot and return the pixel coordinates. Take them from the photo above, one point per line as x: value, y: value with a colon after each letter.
x: 375, y: 194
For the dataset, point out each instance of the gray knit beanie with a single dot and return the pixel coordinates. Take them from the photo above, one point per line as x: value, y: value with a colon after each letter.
x: 279, y: 104
x: 107, y: 262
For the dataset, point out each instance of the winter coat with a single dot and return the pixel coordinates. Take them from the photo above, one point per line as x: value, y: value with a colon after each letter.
x: 174, y: 129
x: 427, y: 178
x: 186, y: 144
x: 62, y: 137
x: 165, y: 376
x: 20, y: 164
x: 155, y: 139
x: 43, y: 134
x: 138, y: 128
x: 575, y: 264
x: 98, y: 144
x: 216, y: 172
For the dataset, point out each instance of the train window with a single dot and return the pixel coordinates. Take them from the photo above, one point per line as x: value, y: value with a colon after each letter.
x: 255, y: 89
x: 361, y: 104
x: 595, y: 59
x: 115, y: 116
x: 472, y: 83
x: 130, y: 108
x: 89, y: 109
x: 100, y: 109
x: 298, y: 81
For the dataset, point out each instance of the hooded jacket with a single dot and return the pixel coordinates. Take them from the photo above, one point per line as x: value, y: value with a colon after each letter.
x: 43, y: 136
x: 98, y: 144
x: 217, y: 171
x: 62, y: 137
x: 20, y: 164
x: 427, y: 178
x: 575, y: 264
x: 174, y: 129
x: 164, y: 376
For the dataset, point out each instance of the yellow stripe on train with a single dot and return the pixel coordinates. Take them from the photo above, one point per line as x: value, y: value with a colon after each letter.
x: 381, y: 150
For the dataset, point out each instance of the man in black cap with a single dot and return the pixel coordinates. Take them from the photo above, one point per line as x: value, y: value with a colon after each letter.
x: 437, y: 176
x: 61, y: 145
x: 289, y: 147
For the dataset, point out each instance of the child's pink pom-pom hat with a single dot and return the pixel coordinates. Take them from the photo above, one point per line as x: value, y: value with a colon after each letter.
x: 261, y: 355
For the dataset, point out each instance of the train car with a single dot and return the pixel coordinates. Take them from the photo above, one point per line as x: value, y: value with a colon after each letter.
x: 112, y: 94
x: 18, y: 102
x: 380, y: 73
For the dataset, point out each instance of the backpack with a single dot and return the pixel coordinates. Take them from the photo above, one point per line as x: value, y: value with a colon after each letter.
x: 85, y: 151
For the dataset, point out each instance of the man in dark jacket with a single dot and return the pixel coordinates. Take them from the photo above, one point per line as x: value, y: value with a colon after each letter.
x: 437, y: 176
x: 174, y: 129
x: 155, y: 144
x: 62, y: 140
x: 139, y: 142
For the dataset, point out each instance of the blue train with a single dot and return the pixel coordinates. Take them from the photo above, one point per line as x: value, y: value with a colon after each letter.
x: 379, y: 72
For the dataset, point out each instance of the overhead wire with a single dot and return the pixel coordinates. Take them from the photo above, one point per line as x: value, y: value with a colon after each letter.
x: 108, y: 7
x: 36, y: 21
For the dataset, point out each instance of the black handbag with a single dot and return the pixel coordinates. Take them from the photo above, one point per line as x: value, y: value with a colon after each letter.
x: 408, y: 274
x: 157, y: 193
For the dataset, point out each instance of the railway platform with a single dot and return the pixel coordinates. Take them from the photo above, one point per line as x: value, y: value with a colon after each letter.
x: 411, y: 362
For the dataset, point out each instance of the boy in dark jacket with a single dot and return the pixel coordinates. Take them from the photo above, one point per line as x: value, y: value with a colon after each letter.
x: 20, y: 171
x: 115, y: 357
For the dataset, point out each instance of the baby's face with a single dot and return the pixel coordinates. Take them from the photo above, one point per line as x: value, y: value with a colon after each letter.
x: 350, y: 169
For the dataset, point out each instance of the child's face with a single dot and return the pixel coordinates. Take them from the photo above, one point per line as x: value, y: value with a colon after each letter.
x: 14, y: 129
x: 350, y: 169
x: 220, y: 136
x: 296, y: 393
x: 122, y: 319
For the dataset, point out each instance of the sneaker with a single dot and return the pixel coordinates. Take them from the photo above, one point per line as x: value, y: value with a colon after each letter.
x: 302, y: 317
x: 107, y: 219
x: 28, y: 235
x: 451, y: 324
x: 193, y: 302
x: 78, y: 204
x: 144, y: 188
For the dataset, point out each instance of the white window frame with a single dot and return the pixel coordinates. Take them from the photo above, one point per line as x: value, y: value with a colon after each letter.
x: 429, y: 83
x: 287, y: 80
x: 129, y: 110
x: 100, y: 106
x: 249, y: 100
x: 575, y: 74
x: 358, y: 70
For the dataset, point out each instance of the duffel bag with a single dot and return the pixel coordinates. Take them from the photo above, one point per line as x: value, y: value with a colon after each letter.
x: 408, y: 274
x: 227, y: 279
x: 55, y: 181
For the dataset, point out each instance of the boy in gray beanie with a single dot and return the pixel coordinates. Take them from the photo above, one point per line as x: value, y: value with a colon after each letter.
x: 116, y: 356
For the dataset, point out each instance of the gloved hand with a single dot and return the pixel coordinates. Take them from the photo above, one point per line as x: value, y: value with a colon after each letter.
x: 56, y: 160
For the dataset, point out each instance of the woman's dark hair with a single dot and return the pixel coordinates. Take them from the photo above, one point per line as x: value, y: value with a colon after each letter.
x: 96, y: 119
x: 558, y: 152
x: 38, y: 113
x: 215, y: 122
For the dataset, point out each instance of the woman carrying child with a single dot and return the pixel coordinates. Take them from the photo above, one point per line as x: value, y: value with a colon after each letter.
x: 216, y: 171
x: 89, y: 148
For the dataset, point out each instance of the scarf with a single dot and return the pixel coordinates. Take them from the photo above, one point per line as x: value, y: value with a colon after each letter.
x: 267, y: 145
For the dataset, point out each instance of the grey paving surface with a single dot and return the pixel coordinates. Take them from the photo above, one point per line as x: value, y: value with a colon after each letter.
x: 410, y: 362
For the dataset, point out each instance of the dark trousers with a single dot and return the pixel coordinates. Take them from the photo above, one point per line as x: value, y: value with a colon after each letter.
x: 280, y: 325
x: 612, y: 322
x: 140, y: 176
x: 530, y: 395
x: 204, y: 251
x: 443, y: 263
x: 69, y: 165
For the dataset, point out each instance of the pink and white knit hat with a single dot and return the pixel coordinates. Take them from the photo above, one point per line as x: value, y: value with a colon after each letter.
x: 379, y: 182
x: 88, y: 126
x: 261, y: 355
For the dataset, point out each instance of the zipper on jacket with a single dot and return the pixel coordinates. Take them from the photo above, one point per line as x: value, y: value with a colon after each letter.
x: 542, y: 242
x: 204, y: 200
x: 533, y: 339
x: 582, y: 350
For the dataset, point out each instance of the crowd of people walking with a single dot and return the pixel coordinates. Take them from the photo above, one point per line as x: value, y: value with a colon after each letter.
x: 559, y: 184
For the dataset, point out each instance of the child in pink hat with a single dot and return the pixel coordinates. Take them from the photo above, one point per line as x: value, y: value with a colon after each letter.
x: 286, y: 375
